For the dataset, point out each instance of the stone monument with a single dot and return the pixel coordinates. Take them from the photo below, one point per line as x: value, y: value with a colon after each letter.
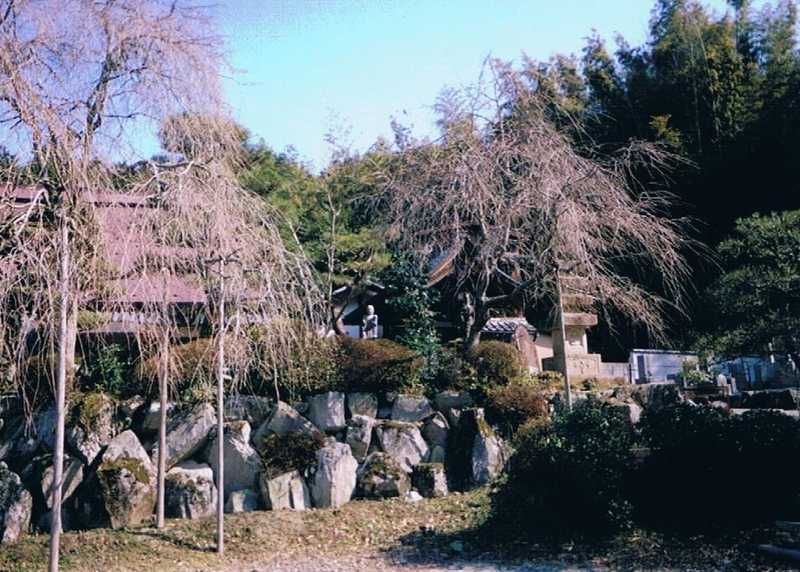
x: 578, y: 318
x: 369, y: 324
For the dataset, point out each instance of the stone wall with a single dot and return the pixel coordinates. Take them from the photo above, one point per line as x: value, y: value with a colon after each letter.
x: 370, y: 446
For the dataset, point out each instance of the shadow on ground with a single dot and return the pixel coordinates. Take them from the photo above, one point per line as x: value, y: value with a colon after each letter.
x: 484, y: 548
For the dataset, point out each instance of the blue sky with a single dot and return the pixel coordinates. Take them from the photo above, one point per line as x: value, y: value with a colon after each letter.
x: 305, y: 67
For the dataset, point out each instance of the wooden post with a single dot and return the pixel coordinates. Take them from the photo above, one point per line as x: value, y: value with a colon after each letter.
x: 221, y: 415
x: 61, y: 388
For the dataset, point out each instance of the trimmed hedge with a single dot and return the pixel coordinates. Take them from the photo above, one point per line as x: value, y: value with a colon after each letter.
x: 509, y: 406
x: 495, y: 364
x: 379, y: 366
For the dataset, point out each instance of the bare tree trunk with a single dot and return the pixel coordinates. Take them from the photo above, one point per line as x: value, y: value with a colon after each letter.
x: 72, y: 338
x: 563, y: 334
x: 221, y: 417
x: 162, y: 425
x: 475, y: 316
x: 61, y: 386
x: 473, y: 339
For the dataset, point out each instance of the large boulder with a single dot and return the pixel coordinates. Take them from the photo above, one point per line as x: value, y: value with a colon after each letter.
x: 381, y: 476
x: 284, y: 419
x: 152, y: 417
x: 435, y: 430
x: 242, y: 462
x: 18, y: 441
x: 452, y: 399
x: 286, y: 491
x: 251, y: 408
x: 187, y: 433
x: 92, y: 427
x: 129, y: 409
x: 71, y: 480
x: 127, y: 481
x: 476, y: 454
x: 326, y: 411
x: 403, y: 441
x: 245, y: 500
x: 649, y: 395
x: 411, y: 408
x: 16, y: 505
x: 189, y: 491
x: 359, y: 403
x: 430, y: 480
x: 489, y: 456
x: 44, y: 421
x: 359, y: 435
x: 334, y: 478
x: 630, y: 409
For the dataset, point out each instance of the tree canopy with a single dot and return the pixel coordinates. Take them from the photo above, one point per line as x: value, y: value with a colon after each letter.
x: 757, y: 298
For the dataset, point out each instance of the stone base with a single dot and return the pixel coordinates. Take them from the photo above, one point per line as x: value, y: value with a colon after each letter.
x: 579, y: 366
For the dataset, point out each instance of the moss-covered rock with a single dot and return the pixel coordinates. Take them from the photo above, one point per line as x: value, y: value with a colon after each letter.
x: 189, y: 491
x: 91, y: 425
x: 430, y: 480
x: 15, y: 506
x: 127, y: 481
x: 403, y: 441
x: 475, y: 453
x: 381, y: 476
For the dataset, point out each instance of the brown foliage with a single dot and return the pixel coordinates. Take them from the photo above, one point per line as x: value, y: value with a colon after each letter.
x: 515, y: 404
x: 293, y: 451
x: 379, y: 365
x: 522, y: 200
x: 497, y: 363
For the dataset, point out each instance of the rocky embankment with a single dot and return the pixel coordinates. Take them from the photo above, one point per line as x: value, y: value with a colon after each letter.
x: 370, y: 446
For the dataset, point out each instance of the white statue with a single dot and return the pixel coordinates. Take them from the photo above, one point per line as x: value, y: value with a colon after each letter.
x: 369, y: 324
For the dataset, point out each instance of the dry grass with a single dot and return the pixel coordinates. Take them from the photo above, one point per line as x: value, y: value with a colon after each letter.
x: 369, y: 535
x: 260, y: 538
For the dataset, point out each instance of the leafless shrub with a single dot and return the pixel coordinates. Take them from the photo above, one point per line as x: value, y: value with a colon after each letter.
x: 526, y: 203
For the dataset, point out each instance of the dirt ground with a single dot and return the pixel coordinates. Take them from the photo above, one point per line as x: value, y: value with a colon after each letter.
x: 433, y: 535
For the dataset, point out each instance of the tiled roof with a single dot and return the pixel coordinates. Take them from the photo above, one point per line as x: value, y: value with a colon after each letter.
x: 507, y: 326
x: 119, y: 215
x: 443, y: 263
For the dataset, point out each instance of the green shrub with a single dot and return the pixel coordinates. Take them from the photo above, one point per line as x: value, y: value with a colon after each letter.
x: 712, y: 470
x: 293, y: 451
x: 569, y: 478
x: 454, y: 370
x: 87, y: 409
x: 106, y: 371
x: 496, y: 363
x: 509, y: 406
x: 549, y: 379
x: 379, y: 366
